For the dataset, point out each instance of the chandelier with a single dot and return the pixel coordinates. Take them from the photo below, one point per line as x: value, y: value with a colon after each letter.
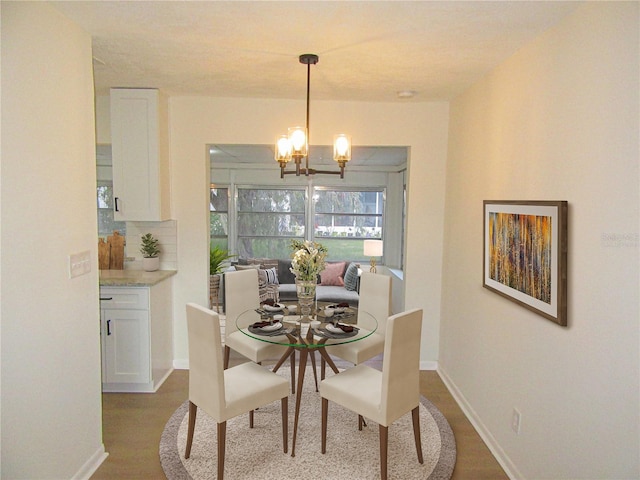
x: 295, y: 145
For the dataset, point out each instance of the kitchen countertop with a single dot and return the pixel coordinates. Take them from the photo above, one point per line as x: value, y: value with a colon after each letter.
x: 133, y: 278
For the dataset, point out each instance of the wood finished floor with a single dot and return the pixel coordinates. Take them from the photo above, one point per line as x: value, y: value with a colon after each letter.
x: 133, y: 424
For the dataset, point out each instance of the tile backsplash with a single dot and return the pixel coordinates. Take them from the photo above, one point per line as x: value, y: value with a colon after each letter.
x: 167, y: 235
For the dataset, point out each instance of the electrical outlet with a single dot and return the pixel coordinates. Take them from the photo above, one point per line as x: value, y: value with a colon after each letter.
x: 79, y: 264
x: 515, y: 421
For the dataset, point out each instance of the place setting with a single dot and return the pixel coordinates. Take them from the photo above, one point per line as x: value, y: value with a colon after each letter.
x: 325, y: 322
x: 270, y: 326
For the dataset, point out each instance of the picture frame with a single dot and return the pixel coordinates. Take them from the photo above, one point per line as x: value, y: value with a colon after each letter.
x: 525, y: 254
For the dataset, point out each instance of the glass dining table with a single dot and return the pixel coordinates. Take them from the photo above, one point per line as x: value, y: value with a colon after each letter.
x: 305, y: 334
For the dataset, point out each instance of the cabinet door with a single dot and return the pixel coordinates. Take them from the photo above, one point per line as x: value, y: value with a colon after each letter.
x: 139, y: 155
x: 126, y: 346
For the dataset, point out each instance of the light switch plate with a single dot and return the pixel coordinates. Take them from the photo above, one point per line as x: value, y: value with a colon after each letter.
x: 79, y: 264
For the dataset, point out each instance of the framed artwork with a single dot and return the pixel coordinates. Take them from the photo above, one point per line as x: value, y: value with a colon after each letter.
x: 525, y: 254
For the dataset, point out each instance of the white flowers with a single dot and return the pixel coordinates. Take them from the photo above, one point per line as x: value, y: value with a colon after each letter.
x: 308, y: 259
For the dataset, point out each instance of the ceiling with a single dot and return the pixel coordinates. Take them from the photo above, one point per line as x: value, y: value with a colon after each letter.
x: 369, y: 50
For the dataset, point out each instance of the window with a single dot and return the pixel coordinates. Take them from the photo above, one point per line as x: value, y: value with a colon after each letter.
x: 219, y: 217
x: 268, y: 218
x: 264, y: 220
x: 106, y: 224
x: 343, y: 219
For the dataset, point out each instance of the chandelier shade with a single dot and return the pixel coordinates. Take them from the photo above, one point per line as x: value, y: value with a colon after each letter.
x: 295, y: 145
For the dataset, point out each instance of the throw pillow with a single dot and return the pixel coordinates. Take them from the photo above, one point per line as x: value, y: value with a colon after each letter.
x: 332, y: 274
x: 268, y: 276
x: 351, y: 277
x: 284, y: 272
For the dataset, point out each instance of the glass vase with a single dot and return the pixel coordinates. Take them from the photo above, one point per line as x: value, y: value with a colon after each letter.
x: 306, y: 291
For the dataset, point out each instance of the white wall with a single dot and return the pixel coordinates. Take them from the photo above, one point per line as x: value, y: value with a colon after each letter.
x: 196, y: 122
x: 560, y: 121
x: 50, y: 368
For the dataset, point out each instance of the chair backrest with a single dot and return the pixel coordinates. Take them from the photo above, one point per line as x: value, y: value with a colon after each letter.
x: 241, y: 293
x: 375, y: 299
x: 401, y: 365
x: 206, y: 374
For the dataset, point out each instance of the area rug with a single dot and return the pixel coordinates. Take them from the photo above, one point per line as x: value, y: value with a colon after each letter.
x: 351, y: 454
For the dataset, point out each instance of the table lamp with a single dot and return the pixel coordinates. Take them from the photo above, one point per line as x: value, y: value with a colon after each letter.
x: 373, y: 248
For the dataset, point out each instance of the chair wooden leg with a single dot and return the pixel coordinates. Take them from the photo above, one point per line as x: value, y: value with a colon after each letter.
x: 323, y: 367
x: 360, y: 422
x: 285, y: 423
x: 227, y: 353
x: 222, y: 440
x: 415, y: 414
x: 325, y: 408
x: 384, y: 441
x: 193, y: 410
x: 251, y: 419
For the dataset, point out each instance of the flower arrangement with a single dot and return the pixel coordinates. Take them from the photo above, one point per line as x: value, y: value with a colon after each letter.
x: 308, y: 259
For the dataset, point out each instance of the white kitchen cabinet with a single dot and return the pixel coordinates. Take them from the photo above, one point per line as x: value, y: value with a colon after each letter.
x: 137, y: 353
x: 140, y: 154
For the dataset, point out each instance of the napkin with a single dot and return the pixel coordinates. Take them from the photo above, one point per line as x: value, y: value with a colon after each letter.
x: 345, y: 328
x: 261, y: 324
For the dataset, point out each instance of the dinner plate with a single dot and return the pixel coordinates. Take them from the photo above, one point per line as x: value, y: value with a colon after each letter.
x: 273, y: 308
x: 337, y: 309
x: 333, y: 329
x: 271, y: 328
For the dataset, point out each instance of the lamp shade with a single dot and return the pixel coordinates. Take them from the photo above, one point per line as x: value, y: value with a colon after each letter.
x: 373, y: 248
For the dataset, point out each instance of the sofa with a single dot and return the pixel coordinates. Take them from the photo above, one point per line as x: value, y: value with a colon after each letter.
x: 338, y: 283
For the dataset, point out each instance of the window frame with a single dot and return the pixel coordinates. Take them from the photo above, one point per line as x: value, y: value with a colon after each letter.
x: 234, y: 239
x: 375, y: 189
x: 120, y: 226
x: 213, y: 240
x: 237, y: 240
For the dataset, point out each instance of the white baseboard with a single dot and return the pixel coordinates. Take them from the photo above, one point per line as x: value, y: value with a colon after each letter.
x: 428, y: 365
x: 92, y: 464
x: 503, y: 459
x: 181, y: 364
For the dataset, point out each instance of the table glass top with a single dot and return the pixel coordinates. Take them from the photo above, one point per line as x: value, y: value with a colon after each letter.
x: 289, y: 328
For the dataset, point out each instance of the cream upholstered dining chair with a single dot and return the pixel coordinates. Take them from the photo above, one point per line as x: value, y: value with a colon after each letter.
x: 375, y: 300
x: 241, y: 293
x: 224, y: 394
x: 383, y: 396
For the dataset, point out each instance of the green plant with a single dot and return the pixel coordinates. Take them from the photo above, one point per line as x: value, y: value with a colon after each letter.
x: 149, y: 247
x: 217, y: 257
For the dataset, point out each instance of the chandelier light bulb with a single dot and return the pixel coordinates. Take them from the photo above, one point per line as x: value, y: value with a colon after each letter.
x: 342, y: 148
x: 298, y: 140
x: 283, y: 149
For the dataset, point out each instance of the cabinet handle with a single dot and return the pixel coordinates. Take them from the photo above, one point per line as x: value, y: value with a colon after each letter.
x: 106, y: 298
x: 116, y: 203
x: 108, y: 327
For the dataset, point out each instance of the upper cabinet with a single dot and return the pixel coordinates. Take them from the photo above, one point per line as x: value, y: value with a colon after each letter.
x: 140, y: 154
